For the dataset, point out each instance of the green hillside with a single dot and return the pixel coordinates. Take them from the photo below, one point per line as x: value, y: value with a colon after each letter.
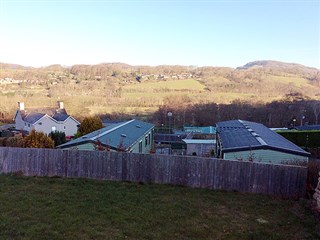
x: 117, y: 87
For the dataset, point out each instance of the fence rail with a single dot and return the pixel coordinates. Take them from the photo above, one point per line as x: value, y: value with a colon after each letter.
x: 279, y: 180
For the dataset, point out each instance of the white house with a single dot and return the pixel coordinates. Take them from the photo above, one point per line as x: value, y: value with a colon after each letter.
x: 45, y: 120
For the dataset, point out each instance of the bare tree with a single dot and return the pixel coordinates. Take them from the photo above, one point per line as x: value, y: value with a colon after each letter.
x: 316, y: 109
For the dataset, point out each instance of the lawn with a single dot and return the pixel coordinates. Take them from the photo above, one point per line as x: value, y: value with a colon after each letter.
x: 55, y: 208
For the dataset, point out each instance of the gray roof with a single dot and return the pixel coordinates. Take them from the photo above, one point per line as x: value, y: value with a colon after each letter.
x: 169, y: 137
x: 60, y: 117
x: 128, y: 133
x: 33, y: 115
x: 238, y: 135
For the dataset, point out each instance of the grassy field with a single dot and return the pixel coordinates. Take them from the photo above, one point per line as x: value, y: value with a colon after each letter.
x: 186, y: 84
x: 91, y: 97
x: 298, y: 81
x: 54, y: 208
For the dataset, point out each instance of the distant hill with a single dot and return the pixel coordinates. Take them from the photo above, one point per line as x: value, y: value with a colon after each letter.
x: 12, y: 66
x: 108, y: 87
x: 277, y: 66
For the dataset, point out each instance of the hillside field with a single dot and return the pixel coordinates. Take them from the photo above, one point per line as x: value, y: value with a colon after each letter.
x: 141, y: 90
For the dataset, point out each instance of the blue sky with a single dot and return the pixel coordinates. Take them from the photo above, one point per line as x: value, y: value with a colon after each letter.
x: 200, y: 33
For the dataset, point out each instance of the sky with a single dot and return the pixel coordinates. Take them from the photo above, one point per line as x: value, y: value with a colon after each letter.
x: 160, y: 32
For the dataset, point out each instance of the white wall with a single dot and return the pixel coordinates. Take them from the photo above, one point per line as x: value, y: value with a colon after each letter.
x: 47, y: 125
x: 267, y: 156
x: 19, y: 123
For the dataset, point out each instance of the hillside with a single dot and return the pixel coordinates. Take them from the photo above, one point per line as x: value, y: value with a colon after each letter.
x: 122, y: 88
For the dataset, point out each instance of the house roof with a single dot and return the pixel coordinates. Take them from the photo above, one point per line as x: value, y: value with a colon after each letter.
x: 127, y: 133
x: 169, y: 137
x: 239, y: 135
x: 207, y: 129
x: 199, y: 141
x: 34, y: 115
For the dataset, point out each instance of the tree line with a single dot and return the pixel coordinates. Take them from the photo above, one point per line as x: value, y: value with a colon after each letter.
x: 290, y: 112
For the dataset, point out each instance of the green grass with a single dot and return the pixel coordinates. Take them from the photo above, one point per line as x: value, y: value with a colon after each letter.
x: 298, y: 81
x: 187, y: 84
x: 54, y: 208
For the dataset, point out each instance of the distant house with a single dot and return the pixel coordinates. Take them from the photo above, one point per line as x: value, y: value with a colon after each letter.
x: 45, y: 120
x: 249, y: 141
x: 130, y: 136
x: 205, y: 130
x: 170, y: 143
x: 201, y: 141
x: 191, y: 140
x: 200, y: 147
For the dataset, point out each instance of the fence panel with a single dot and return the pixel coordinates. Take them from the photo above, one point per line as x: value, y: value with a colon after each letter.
x: 280, y: 180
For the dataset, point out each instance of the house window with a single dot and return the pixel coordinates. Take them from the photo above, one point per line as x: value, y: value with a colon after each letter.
x: 140, y: 147
x: 64, y: 127
x: 40, y: 123
x: 149, y: 138
x: 146, y: 141
x: 28, y: 124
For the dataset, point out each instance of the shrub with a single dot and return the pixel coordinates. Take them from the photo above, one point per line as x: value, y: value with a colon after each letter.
x: 58, y: 137
x: 90, y: 124
x: 38, y: 140
x: 308, y: 139
x: 3, y: 141
x: 16, y: 141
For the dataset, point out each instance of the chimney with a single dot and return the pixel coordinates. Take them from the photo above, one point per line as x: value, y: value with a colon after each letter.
x: 21, y: 106
x: 60, y: 105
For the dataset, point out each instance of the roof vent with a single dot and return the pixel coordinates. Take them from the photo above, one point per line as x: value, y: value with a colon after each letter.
x: 84, y: 137
x: 138, y: 126
x: 255, y: 134
x: 123, y: 135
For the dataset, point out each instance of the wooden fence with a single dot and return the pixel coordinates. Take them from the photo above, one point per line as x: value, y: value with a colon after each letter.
x: 279, y: 180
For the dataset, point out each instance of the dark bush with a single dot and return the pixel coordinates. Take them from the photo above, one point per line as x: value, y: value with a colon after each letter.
x: 16, y: 141
x: 58, y: 137
x: 306, y: 139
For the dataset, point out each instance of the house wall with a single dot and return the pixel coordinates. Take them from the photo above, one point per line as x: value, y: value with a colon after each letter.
x: 267, y: 156
x: 69, y: 127
x: 86, y: 146
x: 47, y: 125
x: 19, y: 123
x: 146, y: 146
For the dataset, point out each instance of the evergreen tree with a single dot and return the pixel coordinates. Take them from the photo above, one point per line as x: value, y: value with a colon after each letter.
x: 90, y: 124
